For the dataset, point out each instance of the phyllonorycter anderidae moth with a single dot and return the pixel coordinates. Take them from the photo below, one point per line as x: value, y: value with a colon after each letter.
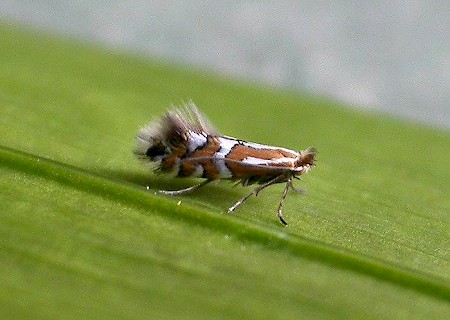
x: 185, y: 144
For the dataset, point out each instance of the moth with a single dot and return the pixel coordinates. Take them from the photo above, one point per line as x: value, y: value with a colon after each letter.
x: 183, y: 143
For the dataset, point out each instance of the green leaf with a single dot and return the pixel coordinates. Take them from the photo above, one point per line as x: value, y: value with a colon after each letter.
x: 81, y: 237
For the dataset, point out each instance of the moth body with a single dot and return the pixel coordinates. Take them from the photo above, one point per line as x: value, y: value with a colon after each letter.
x: 183, y: 143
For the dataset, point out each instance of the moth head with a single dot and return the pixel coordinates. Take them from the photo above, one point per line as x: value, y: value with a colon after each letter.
x: 306, y: 159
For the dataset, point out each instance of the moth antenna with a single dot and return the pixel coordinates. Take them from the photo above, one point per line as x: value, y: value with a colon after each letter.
x: 184, y: 191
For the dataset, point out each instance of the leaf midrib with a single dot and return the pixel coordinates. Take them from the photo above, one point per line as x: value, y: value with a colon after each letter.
x: 269, y: 237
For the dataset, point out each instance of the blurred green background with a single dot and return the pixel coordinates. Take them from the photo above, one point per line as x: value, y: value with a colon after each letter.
x: 382, y: 55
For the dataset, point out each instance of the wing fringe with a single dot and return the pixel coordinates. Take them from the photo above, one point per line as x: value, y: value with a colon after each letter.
x: 173, y: 129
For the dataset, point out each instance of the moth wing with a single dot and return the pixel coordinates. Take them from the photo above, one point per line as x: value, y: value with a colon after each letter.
x: 177, y: 127
x: 243, y: 164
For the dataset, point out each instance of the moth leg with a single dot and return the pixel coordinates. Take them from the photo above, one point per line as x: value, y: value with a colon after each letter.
x: 283, y: 196
x: 183, y: 191
x: 301, y: 191
x: 255, y: 192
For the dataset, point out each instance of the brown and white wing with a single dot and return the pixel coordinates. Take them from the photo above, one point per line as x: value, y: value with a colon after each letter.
x: 181, y: 128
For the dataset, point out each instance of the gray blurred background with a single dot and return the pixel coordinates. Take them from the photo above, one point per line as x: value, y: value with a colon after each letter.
x: 392, y: 56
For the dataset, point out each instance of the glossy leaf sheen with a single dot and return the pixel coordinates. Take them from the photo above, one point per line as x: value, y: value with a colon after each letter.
x: 81, y: 237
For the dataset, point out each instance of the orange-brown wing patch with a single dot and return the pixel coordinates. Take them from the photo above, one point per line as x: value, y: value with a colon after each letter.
x: 205, y: 157
x: 211, y: 146
x: 243, y: 170
x: 240, y: 152
x: 168, y: 163
x: 186, y: 169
